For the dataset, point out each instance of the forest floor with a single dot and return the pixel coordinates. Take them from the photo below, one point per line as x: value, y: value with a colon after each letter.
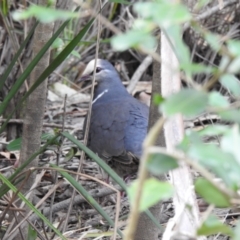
x: 84, y: 220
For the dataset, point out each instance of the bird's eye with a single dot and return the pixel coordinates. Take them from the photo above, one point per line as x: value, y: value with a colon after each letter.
x: 98, y: 69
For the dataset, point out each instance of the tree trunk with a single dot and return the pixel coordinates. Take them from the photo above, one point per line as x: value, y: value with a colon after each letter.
x: 35, y: 107
x: 146, y: 229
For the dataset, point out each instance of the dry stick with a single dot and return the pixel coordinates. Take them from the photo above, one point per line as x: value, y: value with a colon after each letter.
x: 65, y: 78
x: 109, y: 186
x: 53, y: 125
x: 115, y: 30
x: 195, y: 165
x: 65, y: 203
x: 215, y: 78
x: 7, y: 235
x: 138, y: 73
x: 58, y: 155
x: 210, y: 12
x: 90, y: 110
x: 14, y: 41
x: 12, y: 209
x: 37, y: 205
x: 77, y: 200
x: 85, y: 141
x: 87, y: 126
x: 181, y: 178
x: 87, y: 87
x: 142, y: 175
x: 14, y: 196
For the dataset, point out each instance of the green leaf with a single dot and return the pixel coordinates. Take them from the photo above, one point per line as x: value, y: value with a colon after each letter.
x: 6, y: 73
x: 16, y: 143
x: 230, y: 82
x: 25, y: 74
x: 54, y: 64
x: 120, y: 1
x: 190, y: 137
x: 163, y: 13
x: 57, y: 43
x: 232, y: 115
x: 213, y: 226
x: 3, y: 188
x: 86, y: 195
x: 76, y: 54
x: 44, y: 14
x: 159, y: 163
x: 236, y: 232
x: 225, y: 61
x: 188, y: 102
x: 234, y: 47
x: 216, y: 99
x: 195, y: 68
x: 29, y: 204
x: 153, y: 192
x: 71, y: 153
x: 32, y: 233
x: 230, y: 142
x: 234, y: 66
x: 218, y: 161
x: 230, y: 64
x: 4, y: 7
x: 157, y: 99
x: 214, y: 41
x: 143, y: 26
x: 214, y: 130
x: 181, y: 50
x: 133, y: 38
x: 97, y: 159
x: 105, y: 167
x: 211, y: 194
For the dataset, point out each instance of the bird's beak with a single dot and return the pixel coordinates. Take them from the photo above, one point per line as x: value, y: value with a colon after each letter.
x: 87, y: 74
x: 87, y: 77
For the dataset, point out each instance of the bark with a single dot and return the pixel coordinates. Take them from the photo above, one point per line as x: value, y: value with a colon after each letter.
x: 146, y: 229
x: 35, y: 106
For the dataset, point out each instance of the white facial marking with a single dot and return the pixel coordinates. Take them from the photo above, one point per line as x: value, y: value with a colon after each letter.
x: 99, y: 95
x: 90, y: 67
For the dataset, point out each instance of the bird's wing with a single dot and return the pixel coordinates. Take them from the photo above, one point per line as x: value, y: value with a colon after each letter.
x: 136, y: 129
x: 117, y: 130
x: 106, y: 134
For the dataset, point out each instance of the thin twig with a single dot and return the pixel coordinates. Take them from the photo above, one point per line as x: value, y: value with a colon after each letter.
x: 13, y: 38
x: 139, y: 72
x: 37, y: 205
x: 53, y: 125
x: 142, y: 175
x: 87, y: 122
x: 58, y: 156
x: 194, y: 164
x: 210, y: 12
x: 77, y: 200
x: 115, y: 30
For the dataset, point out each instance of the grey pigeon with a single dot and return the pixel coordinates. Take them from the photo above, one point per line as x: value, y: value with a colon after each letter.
x: 118, y: 123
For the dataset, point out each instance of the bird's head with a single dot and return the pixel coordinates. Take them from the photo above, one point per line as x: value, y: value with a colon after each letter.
x: 104, y: 70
